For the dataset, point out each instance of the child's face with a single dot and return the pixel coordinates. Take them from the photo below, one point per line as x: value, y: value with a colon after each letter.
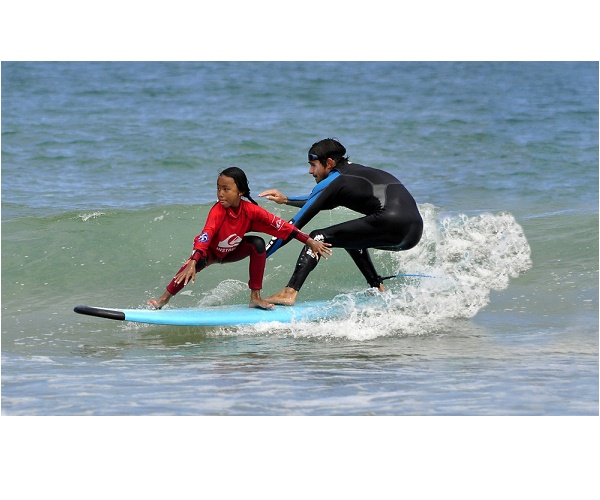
x: 228, y: 193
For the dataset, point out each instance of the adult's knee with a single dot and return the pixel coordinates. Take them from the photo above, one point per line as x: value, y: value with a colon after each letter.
x: 321, y: 235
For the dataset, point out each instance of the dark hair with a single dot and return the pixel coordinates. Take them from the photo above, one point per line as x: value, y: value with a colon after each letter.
x: 240, y: 179
x: 329, y: 148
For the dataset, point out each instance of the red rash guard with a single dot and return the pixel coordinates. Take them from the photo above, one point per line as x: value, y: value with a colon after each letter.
x: 225, y: 228
x: 222, y: 239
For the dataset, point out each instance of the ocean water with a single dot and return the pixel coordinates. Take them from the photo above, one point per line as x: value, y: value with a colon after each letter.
x: 109, y: 170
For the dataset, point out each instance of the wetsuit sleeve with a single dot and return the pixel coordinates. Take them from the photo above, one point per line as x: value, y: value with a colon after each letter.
x: 299, y: 235
x: 297, y: 201
x: 211, y: 227
x: 323, y: 197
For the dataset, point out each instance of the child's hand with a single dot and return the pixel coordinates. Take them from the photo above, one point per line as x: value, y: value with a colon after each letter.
x: 189, y: 273
x: 320, y: 248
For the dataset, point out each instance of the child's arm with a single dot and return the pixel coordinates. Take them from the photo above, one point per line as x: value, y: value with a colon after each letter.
x: 188, y: 273
x: 269, y: 223
x: 201, y: 245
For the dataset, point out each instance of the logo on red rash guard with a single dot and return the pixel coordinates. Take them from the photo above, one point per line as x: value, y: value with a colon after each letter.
x: 202, y: 238
x: 229, y: 243
x: 276, y: 222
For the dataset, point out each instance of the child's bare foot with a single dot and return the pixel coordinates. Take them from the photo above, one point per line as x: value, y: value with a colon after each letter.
x: 163, y: 300
x: 261, y: 304
x: 257, y: 301
x: 287, y: 297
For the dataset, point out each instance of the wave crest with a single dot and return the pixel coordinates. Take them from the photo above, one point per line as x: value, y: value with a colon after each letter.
x: 468, y: 256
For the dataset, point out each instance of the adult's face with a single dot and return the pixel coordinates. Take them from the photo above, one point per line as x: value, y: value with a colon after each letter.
x: 320, y: 171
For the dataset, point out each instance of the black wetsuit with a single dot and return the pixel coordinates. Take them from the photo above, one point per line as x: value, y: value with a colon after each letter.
x: 392, y: 220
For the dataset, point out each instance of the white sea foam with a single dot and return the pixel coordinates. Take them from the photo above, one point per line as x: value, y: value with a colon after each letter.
x: 467, y: 257
x: 93, y: 215
x: 222, y: 293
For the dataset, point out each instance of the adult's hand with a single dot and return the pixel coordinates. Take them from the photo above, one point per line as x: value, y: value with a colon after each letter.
x: 274, y: 195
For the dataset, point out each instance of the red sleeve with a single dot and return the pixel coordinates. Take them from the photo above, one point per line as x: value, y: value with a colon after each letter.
x: 266, y: 222
x: 300, y: 236
x: 211, y: 227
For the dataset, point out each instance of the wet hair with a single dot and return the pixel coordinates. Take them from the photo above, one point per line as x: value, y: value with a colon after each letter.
x: 240, y: 179
x: 329, y: 148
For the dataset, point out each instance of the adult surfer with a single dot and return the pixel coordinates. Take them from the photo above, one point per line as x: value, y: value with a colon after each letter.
x: 391, y: 218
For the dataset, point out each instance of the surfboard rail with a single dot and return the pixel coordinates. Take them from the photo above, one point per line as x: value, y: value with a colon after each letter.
x: 225, y: 315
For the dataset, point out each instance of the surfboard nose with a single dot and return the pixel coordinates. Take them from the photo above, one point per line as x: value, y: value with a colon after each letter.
x: 101, y: 313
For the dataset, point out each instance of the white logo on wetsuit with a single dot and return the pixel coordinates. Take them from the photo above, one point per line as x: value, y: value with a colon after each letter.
x: 318, y: 237
x: 229, y: 243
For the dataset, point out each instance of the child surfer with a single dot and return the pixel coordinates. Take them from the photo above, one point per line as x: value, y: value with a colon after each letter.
x: 224, y: 238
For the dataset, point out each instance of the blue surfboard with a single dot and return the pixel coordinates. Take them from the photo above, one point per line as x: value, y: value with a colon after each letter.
x: 229, y: 315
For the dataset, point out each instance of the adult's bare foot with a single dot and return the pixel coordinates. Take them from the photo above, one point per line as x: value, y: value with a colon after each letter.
x: 287, y: 297
x: 375, y: 291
